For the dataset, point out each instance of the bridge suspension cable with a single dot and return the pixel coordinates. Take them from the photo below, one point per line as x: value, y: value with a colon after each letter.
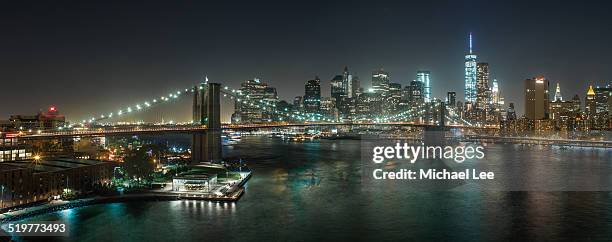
x: 419, y: 111
x: 233, y: 94
x: 244, y: 99
x: 238, y: 96
x: 138, y: 107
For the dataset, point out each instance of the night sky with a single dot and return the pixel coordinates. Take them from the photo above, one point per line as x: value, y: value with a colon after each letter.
x: 89, y: 58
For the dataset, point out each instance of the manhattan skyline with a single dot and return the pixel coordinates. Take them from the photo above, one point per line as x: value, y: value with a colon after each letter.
x: 80, y: 55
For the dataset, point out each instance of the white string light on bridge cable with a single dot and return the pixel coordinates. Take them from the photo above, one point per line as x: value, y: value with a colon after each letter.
x: 410, y: 114
x: 139, y: 106
x: 235, y: 94
x: 402, y: 115
x: 244, y: 99
x: 175, y: 95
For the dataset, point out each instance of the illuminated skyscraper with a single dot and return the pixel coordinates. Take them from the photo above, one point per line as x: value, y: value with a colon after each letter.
x: 558, y: 96
x: 603, y: 94
x: 328, y: 107
x: 394, y: 97
x: 536, y: 98
x: 451, y: 99
x: 255, y: 91
x: 337, y: 89
x: 511, y: 112
x: 589, y: 103
x: 483, y: 94
x: 424, y: 77
x: 416, y: 92
x: 347, y: 82
x: 270, y: 99
x: 312, y: 95
x: 470, y: 75
x: 496, y: 97
x: 563, y: 111
x: 380, y: 82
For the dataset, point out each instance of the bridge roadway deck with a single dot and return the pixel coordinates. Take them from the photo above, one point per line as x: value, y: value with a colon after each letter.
x: 159, y: 129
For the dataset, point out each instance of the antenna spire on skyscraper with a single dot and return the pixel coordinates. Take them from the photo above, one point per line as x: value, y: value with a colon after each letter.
x: 470, y: 73
x: 470, y: 42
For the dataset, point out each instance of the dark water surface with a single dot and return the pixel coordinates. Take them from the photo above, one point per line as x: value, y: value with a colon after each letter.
x: 313, y: 191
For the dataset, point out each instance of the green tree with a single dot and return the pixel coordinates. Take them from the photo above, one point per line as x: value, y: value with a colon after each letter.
x: 139, y: 163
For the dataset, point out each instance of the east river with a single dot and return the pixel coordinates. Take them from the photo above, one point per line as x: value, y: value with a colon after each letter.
x: 314, y: 191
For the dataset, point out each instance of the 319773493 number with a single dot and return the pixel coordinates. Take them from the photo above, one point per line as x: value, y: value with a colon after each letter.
x: 46, y: 228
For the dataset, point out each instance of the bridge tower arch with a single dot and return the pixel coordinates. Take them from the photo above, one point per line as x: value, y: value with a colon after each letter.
x: 206, y: 145
x: 435, y: 134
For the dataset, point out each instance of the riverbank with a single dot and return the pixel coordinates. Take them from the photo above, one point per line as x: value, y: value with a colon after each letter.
x: 58, y: 205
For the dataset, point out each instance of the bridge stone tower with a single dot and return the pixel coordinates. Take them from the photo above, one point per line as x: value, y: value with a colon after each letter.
x: 206, y: 145
x: 434, y: 135
x: 196, y: 105
x: 198, y: 91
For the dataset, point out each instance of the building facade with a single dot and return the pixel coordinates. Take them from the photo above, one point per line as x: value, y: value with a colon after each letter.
x: 451, y: 99
x: 13, y: 149
x: 337, y: 88
x: 380, y: 82
x: 51, y: 119
x: 416, y: 93
x: 312, y: 95
x: 425, y: 78
x: 483, y: 94
x: 25, y: 182
x: 536, y: 98
x: 394, y: 98
x: 259, y: 104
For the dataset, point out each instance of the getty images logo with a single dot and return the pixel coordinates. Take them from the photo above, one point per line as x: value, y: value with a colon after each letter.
x: 403, y: 151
